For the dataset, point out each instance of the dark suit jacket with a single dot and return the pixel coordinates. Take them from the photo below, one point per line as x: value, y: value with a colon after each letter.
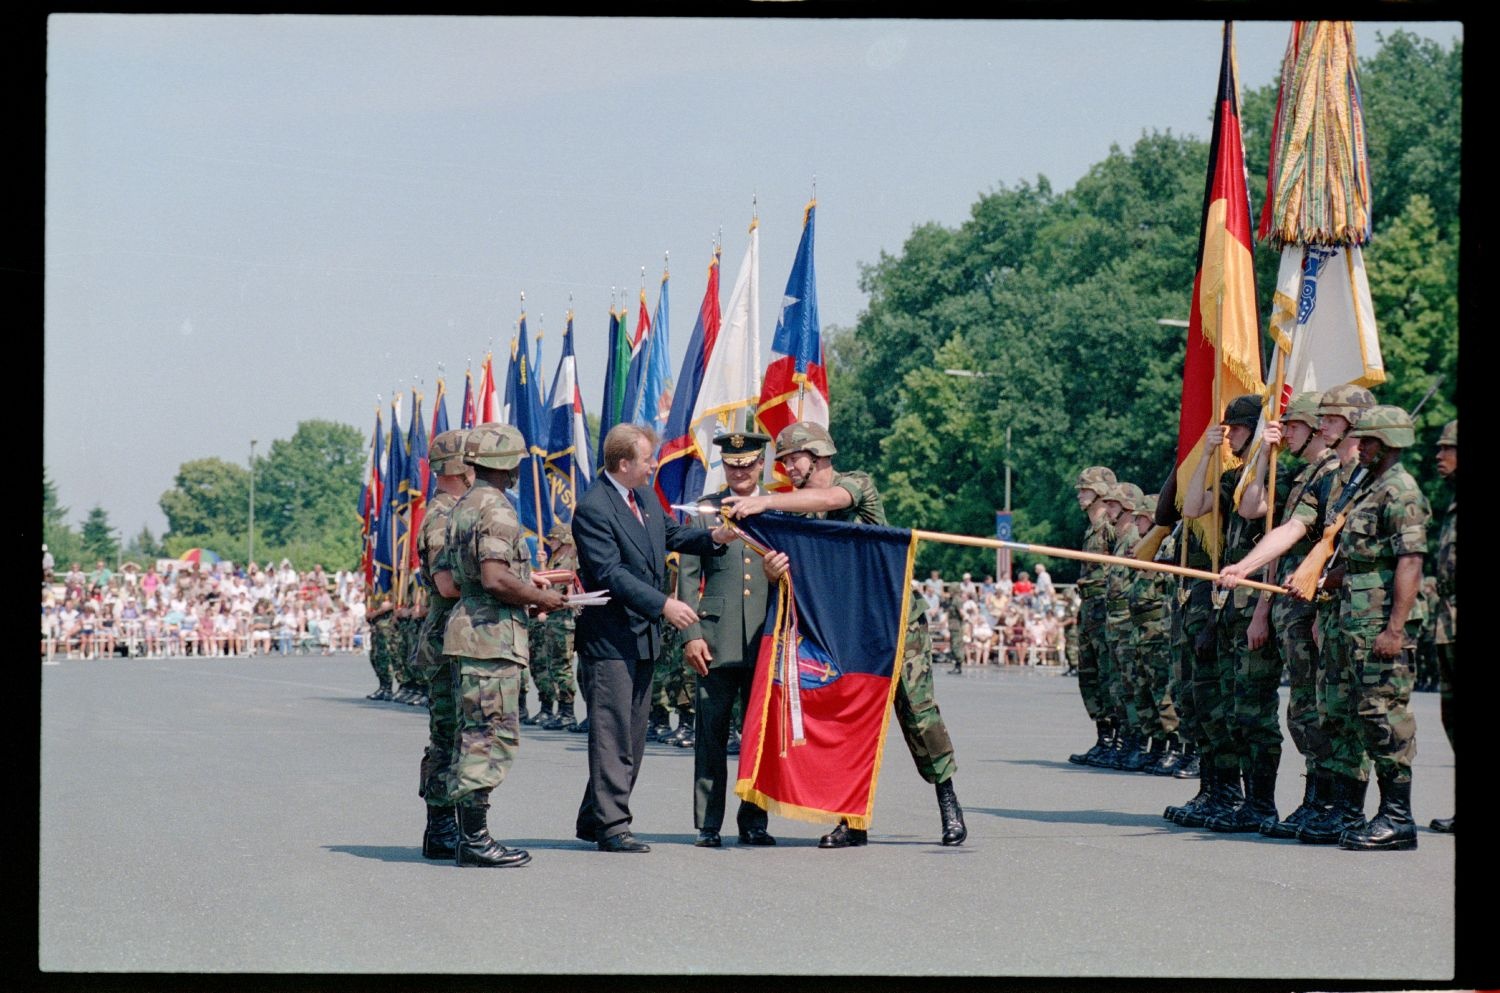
x: 616, y: 553
x: 732, y: 605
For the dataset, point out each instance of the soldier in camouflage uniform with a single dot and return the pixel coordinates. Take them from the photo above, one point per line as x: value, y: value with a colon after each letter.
x: 1099, y: 538
x: 381, y: 620
x: 805, y: 450
x: 1445, y: 621
x: 413, y: 690
x: 439, y: 672
x: 1117, y: 665
x: 486, y: 633
x: 557, y: 635
x: 1334, y: 806
x: 1150, y: 627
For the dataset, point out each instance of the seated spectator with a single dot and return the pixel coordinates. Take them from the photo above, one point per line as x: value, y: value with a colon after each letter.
x: 261, y: 622
x: 1022, y: 589
x: 151, y: 633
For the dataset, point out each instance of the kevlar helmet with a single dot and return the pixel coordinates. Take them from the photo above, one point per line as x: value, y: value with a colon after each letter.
x: 1391, y: 425
x: 804, y: 436
x: 446, y: 453
x: 1147, y: 505
x: 1449, y: 435
x: 494, y: 446
x: 1130, y: 496
x: 1096, y: 478
x: 1346, y: 401
x: 1303, y: 410
x: 1243, y: 410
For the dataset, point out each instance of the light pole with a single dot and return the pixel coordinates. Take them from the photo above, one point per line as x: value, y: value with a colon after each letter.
x: 250, y: 551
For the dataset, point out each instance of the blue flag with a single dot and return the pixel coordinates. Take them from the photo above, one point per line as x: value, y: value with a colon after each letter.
x: 568, y: 470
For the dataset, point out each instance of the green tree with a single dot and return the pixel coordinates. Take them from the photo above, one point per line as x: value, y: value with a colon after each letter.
x: 306, y: 491
x: 209, y: 499
x: 144, y: 547
x: 99, y: 538
x: 57, y: 535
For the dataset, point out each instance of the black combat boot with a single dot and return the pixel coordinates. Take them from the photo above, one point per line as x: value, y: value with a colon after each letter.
x: 1205, y: 789
x: 1191, y: 766
x: 542, y: 715
x: 400, y: 693
x: 733, y: 747
x: 1101, y: 744
x: 1169, y: 758
x: 441, y: 835
x: 1109, y: 758
x: 954, y: 831
x: 382, y: 692
x: 1442, y: 825
x: 1316, y: 796
x: 1391, y: 829
x: 843, y: 836
x: 1143, y: 757
x: 1346, y: 810
x: 563, y: 720
x: 684, y: 728
x: 521, y: 705
x: 1259, y: 804
x: 1223, y: 797
x: 580, y: 727
x: 475, y: 846
x: 689, y: 737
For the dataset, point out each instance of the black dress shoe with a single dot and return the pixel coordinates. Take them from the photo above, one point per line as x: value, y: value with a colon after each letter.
x: 582, y: 727
x: 708, y: 839
x: 843, y: 836
x: 624, y: 842
x: 1442, y: 825
x: 756, y: 836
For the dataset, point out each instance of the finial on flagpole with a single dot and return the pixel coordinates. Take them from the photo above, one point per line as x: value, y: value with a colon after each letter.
x: 815, y: 186
x: 440, y: 370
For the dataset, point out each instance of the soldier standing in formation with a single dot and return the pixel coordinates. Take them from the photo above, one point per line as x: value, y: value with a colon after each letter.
x: 1099, y: 539
x: 806, y: 451
x: 1115, y: 677
x: 1446, y: 620
x: 380, y: 619
x: 552, y: 664
x: 439, y: 671
x: 1150, y: 630
x: 486, y: 633
x: 722, y: 648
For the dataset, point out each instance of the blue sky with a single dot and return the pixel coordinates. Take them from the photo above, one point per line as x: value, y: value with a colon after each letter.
x: 253, y: 221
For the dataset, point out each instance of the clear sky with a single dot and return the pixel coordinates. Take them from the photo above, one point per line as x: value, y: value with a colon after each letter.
x: 256, y: 220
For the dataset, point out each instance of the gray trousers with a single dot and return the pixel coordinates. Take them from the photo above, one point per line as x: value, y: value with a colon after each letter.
x: 618, y: 692
x: 715, y: 709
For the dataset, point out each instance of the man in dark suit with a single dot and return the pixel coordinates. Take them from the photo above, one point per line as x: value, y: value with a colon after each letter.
x: 623, y: 537
x: 722, y: 648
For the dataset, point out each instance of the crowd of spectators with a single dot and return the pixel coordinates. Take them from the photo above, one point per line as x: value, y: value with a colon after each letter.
x: 174, y: 608
x: 1020, y: 622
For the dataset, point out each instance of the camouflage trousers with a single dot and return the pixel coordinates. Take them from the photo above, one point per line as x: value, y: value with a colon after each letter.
x: 407, y: 670
x: 673, y: 684
x: 434, y: 777
x: 1367, y: 702
x: 489, y: 725
x: 1091, y: 646
x: 1115, y: 689
x: 1197, y: 667
x: 380, y: 652
x: 552, y: 661
x: 1293, y: 622
x: 917, y: 710
x: 1246, y: 723
x: 1447, y: 654
x: 1151, y: 679
x: 1070, y: 646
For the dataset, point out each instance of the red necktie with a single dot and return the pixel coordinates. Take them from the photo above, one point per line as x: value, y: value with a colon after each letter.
x: 630, y: 499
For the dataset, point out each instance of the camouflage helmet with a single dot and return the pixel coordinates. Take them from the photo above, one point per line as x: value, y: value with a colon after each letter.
x: 446, y: 454
x: 1303, y: 409
x: 804, y: 436
x: 1391, y: 425
x: 494, y: 446
x: 1146, y: 505
x: 1449, y: 435
x: 1243, y: 411
x: 1096, y: 478
x: 1346, y: 401
x: 1131, y: 497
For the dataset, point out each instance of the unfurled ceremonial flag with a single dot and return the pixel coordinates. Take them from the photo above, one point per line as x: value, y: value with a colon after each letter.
x: 827, y: 668
x: 417, y: 471
x: 795, y: 387
x: 568, y: 450
x: 640, y: 355
x: 614, y: 378
x: 467, y: 416
x: 680, y: 468
x: 439, y: 425
x: 656, y: 371
x: 532, y: 505
x: 1223, y: 341
x: 371, y: 500
x: 507, y: 412
x: 1318, y: 214
x: 387, y: 536
x: 488, y: 411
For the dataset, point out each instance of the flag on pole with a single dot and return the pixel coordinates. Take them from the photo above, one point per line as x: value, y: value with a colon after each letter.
x: 640, y: 355
x: 418, y: 472
x: 532, y: 505
x: 488, y: 411
x: 795, y: 387
x: 1223, y: 344
x: 680, y: 468
x: 466, y: 418
x: 507, y: 412
x: 389, y: 530
x: 656, y: 371
x: 1318, y: 214
x: 827, y: 669
x: 439, y: 425
x: 568, y: 469
x: 371, y: 499
x: 614, y: 378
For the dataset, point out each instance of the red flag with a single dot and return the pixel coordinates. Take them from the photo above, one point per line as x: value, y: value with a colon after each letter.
x: 489, y: 411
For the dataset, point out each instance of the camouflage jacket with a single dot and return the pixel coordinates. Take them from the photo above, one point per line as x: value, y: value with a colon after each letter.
x: 1309, y: 476
x: 1386, y: 521
x: 484, y: 527
x: 1118, y: 578
x: 866, y: 508
x: 1100, y: 539
x: 1447, y: 577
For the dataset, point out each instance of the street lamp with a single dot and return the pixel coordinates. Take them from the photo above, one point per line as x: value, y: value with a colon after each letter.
x: 250, y: 551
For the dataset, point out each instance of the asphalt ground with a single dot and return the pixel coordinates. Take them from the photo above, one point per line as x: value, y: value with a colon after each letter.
x: 259, y: 816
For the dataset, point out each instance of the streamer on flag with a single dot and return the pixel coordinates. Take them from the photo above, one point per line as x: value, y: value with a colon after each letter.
x: 820, y: 700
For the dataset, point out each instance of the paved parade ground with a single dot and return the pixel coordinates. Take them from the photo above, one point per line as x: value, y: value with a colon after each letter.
x: 260, y: 816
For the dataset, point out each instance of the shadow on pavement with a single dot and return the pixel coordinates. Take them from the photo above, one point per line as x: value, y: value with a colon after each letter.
x: 1114, y: 818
